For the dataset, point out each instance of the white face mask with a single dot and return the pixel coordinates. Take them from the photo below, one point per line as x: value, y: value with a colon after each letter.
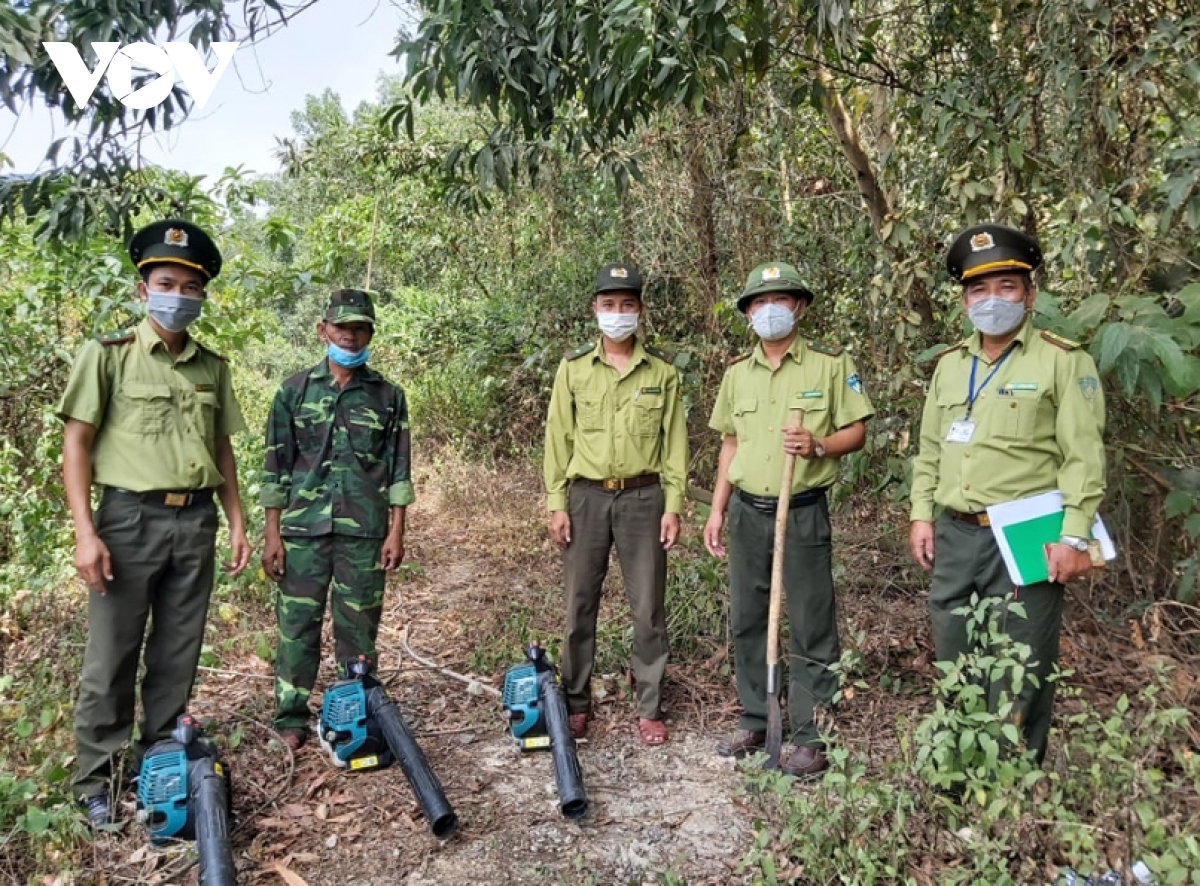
x: 618, y: 327
x: 996, y: 316
x: 772, y: 321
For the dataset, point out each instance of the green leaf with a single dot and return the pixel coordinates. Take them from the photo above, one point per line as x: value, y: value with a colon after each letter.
x: 1178, y: 502
x: 1192, y: 525
x: 1110, y: 344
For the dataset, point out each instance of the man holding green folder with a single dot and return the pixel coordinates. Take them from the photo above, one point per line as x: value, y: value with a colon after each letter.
x: 1011, y: 412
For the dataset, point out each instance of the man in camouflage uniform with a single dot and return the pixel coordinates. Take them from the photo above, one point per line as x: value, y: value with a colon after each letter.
x: 759, y: 395
x: 615, y: 470
x: 1011, y: 412
x: 149, y: 413
x: 335, y: 487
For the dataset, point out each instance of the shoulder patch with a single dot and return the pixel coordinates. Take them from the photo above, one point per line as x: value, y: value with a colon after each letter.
x: 665, y: 356
x: 942, y: 353
x: 740, y: 357
x: 1059, y: 341
x: 822, y: 348
x: 579, y: 351
x: 119, y: 337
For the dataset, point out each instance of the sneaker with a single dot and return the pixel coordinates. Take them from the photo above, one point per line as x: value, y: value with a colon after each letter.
x: 97, y: 810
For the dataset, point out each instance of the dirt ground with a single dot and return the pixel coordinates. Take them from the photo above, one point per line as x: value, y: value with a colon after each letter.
x: 481, y: 577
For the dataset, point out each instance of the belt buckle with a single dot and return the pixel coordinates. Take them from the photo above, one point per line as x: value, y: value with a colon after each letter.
x: 614, y: 484
x: 983, y: 518
x: 176, y: 499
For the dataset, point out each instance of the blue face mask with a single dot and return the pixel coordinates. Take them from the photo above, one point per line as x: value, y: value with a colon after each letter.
x: 173, y: 313
x: 348, y: 359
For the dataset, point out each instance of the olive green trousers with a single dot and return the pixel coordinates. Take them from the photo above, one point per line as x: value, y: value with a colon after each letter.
x: 163, y: 562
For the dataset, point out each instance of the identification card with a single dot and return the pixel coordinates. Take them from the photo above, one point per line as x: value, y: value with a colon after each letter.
x: 961, y: 431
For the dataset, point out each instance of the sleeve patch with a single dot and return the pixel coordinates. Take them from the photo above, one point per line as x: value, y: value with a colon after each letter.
x: 1089, y: 385
x: 855, y: 383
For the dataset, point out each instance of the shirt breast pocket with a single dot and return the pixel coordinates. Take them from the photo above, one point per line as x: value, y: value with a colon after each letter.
x: 816, y: 413
x: 1019, y: 412
x: 207, y: 404
x: 647, y: 416
x: 745, y: 413
x: 952, y: 407
x: 589, y: 412
x: 366, y: 426
x: 146, y: 408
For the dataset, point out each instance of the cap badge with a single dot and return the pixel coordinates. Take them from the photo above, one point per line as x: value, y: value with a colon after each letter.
x: 981, y: 241
x: 176, y: 237
x: 771, y: 273
x: 618, y: 273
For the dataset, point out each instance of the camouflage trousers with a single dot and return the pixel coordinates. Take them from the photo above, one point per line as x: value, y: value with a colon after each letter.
x: 348, y: 565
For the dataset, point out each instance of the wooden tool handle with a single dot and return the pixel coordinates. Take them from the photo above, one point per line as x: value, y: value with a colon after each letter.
x: 781, y: 514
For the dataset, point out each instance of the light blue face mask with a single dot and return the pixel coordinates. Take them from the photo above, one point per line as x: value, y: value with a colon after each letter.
x: 348, y: 359
x: 172, y: 312
x: 772, y: 321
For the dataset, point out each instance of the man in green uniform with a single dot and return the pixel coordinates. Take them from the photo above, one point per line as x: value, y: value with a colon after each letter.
x: 1011, y: 412
x: 760, y: 395
x: 616, y: 472
x: 335, y: 487
x: 149, y: 413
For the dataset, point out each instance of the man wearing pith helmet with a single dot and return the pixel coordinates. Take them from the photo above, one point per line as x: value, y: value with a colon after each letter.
x: 786, y: 396
x: 1011, y: 412
x: 616, y: 472
x: 149, y: 413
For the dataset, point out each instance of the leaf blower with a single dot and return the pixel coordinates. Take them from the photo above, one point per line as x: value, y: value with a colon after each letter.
x: 361, y: 729
x: 184, y: 793
x: 537, y: 713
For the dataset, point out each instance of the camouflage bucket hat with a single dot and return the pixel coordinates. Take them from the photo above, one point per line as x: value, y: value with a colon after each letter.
x: 773, y: 277
x: 350, y: 306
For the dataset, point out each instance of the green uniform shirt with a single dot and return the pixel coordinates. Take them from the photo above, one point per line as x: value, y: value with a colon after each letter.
x: 337, y: 459
x: 157, y: 416
x: 603, y: 425
x: 1039, y: 423
x: 755, y: 404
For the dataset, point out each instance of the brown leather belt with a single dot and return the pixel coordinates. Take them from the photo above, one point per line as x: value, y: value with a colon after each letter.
x: 616, y: 484
x: 182, y: 499
x: 979, y: 519
x: 767, y: 504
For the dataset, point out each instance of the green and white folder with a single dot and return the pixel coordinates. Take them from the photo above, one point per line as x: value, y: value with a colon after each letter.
x: 1024, y: 527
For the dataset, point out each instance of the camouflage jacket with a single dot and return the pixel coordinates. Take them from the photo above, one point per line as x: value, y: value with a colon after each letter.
x: 337, y: 459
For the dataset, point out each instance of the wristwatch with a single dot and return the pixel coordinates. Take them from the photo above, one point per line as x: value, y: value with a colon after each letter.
x: 818, y: 449
x: 1074, y: 542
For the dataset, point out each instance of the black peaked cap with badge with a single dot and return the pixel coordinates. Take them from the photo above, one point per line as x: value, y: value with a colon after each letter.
x: 618, y: 276
x: 350, y: 306
x: 991, y: 249
x: 175, y: 241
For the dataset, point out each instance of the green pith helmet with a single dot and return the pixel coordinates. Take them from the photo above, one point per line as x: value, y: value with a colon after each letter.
x: 773, y: 277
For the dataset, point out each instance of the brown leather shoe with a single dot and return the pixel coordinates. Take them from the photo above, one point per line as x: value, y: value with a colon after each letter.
x: 743, y: 742
x: 578, y: 724
x: 805, y: 762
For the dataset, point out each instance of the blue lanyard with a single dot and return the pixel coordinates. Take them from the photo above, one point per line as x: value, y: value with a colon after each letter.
x: 972, y: 393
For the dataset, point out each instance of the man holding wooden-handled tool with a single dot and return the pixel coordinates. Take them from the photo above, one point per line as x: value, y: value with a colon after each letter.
x: 787, y: 398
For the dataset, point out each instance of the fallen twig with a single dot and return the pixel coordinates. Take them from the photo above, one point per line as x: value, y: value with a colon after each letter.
x: 446, y: 672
